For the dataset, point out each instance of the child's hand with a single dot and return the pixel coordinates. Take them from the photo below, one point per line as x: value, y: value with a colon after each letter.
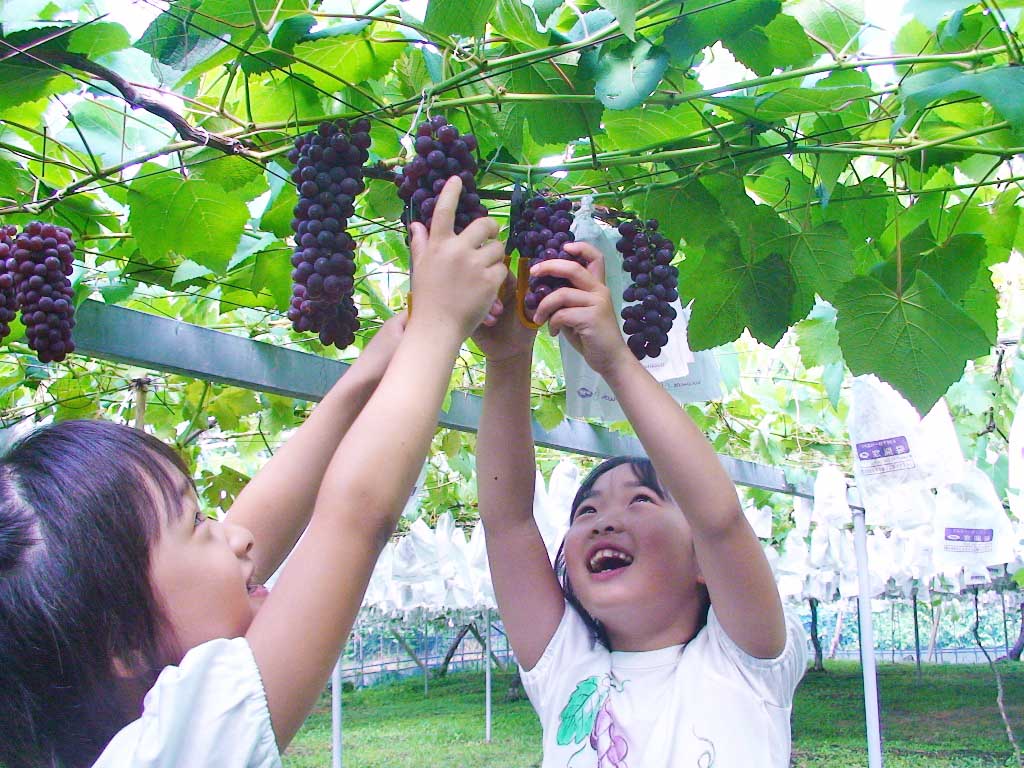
x: 455, y: 277
x: 502, y: 336
x: 583, y: 311
x: 376, y: 355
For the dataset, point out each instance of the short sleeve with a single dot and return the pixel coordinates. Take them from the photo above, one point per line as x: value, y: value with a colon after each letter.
x: 211, y: 710
x: 571, y: 645
x: 774, y: 679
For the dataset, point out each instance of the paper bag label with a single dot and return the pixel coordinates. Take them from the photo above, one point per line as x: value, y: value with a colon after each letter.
x: 887, y: 455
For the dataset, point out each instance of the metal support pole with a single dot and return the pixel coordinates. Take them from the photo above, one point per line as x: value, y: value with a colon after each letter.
x: 426, y: 658
x: 336, y: 715
x: 487, y: 673
x: 917, y: 638
x: 867, y: 634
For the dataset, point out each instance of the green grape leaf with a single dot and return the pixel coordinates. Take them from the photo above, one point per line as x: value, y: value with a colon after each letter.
x: 75, y: 397
x: 708, y: 21
x: 231, y: 173
x: 629, y: 74
x: 574, y: 120
x: 649, y: 124
x: 205, y: 222
x: 625, y: 12
x: 836, y: 23
x: 821, y: 262
x: 516, y: 21
x: 931, y: 12
x: 1002, y: 87
x: 734, y: 292
x: 550, y: 412
x: 99, y: 38
x: 459, y: 17
x: 919, y: 341
x: 112, y: 132
x: 544, y: 8
x: 577, y: 718
x: 775, y: 105
x: 334, y: 62
x: 781, y: 44
x: 817, y: 338
x: 26, y: 82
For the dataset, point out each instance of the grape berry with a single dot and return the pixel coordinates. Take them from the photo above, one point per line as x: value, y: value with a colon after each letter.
x: 541, y: 233
x: 647, y: 257
x: 329, y: 175
x: 440, y: 154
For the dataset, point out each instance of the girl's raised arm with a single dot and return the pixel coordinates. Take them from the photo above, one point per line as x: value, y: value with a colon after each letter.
x: 738, y: 576
x: 529, y: 597
x: 297, y: 636
x: 277, y: 503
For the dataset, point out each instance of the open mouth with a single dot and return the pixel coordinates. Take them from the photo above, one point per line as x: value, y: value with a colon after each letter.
x: 604, y: 560
x: 256, y: 589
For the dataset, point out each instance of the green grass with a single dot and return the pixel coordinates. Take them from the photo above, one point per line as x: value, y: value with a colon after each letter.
x: 950, y: 720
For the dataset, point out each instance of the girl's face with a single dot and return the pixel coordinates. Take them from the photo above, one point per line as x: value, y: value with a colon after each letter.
x: 202, y: 575
x: 629, y: 556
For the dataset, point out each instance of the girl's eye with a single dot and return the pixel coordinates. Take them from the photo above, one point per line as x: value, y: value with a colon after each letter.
x: 200, y: 518
x: 642, y: 497
x: 583, y: 511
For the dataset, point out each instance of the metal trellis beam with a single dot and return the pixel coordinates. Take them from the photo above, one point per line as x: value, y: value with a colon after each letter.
x: 136, y: 338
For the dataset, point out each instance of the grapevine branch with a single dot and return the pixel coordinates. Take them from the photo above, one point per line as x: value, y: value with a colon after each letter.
x: 138, y: 100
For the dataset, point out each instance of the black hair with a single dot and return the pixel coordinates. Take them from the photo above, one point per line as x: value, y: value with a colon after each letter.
x: 645, y: 474
x: 78, y: 518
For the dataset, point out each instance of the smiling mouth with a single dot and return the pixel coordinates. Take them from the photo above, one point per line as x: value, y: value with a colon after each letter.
x: 605, y: 560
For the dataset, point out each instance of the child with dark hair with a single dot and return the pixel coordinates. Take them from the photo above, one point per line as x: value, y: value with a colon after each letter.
x: 135, y: 632
x: 658, y: 640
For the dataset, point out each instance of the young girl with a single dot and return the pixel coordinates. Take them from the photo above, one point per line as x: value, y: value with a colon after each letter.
x: 659, y: 638
x: 134, y: 632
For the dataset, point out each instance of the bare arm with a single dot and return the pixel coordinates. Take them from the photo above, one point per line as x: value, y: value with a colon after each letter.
x: 738, y: 576
x: 298, y: 634
x: 529, y: 597
x: 277, y: 503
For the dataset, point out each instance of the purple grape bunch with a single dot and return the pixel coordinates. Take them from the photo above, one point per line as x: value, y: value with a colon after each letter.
x: 37, y: 265
x: 8, y: 294
x: 440, y: 154
x: 329, y: 176
x: 647, y: 257
x: 607, y: 740
x: 541, y: 233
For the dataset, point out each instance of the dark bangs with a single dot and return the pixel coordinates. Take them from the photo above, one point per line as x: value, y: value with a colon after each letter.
x: 78, y: 518
x: 642, y: 468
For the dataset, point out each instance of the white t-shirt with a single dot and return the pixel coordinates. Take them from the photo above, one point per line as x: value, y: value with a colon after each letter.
x: 211, y: 711
x: 706, y: 704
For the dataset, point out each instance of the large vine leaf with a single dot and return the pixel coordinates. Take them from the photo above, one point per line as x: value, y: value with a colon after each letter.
x: 733, y: 292
x: 1002, y: 87
x: 708, y: 21
x: 642, y: 126
x: 112, y: 132
x: 780, y: 44
x: 835, y: 23
x: 629, y: 74
x: 333, y: 63
x: 817, y: 338
x: 574, y: 120
x: 27, y: 82
x: 206, y: 223
x: 458, y: 17
x: 918, y: 341
x: 821, y: 262
x: 775, y: 105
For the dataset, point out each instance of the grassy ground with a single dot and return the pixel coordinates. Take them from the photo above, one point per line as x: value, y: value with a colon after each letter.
x: 950, y: 720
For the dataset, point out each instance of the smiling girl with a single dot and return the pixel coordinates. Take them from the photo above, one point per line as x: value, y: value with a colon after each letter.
x: 658, y: 639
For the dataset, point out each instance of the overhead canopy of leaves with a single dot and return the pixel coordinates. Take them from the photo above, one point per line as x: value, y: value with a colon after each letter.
x: 866, y: 212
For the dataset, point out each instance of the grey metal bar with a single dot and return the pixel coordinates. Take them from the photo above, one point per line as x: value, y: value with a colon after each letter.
x: 136, y: 338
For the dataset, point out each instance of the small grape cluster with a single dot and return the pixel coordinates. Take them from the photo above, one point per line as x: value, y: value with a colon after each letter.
x: 440, y: 154
x: 329, y: 175
x: 647, y: 257
x: 541, y: 233
x: 36, y: 265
